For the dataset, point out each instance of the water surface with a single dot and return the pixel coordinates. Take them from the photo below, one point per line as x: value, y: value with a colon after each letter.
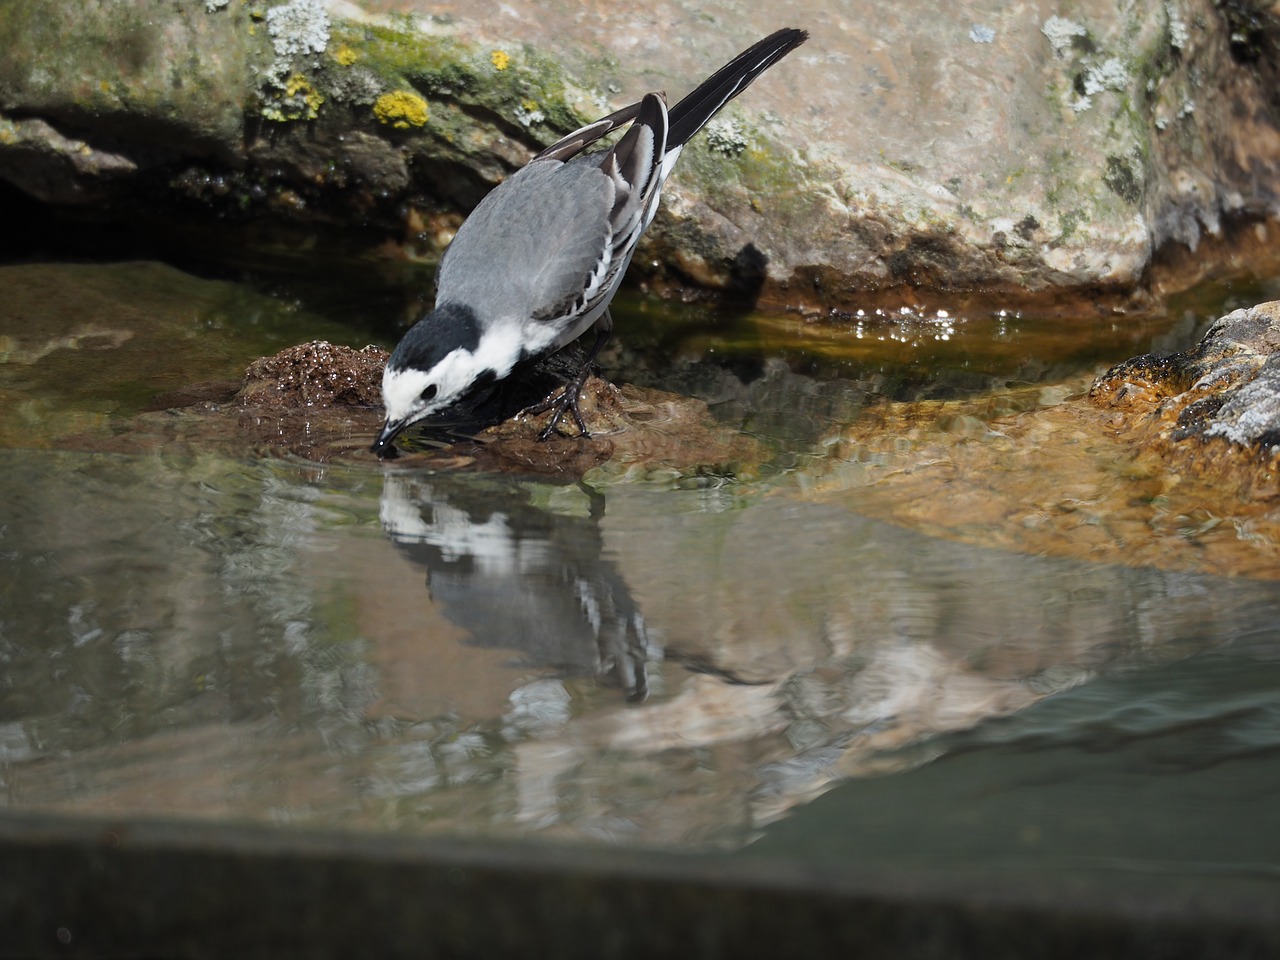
x: 682, y: 663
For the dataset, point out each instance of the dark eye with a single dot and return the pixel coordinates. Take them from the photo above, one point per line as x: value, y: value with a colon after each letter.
x: 429, y: 392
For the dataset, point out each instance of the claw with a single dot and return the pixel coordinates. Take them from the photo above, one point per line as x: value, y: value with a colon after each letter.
x: 566, y: 400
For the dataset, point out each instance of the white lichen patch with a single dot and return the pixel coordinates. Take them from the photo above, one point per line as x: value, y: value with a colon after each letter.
x: 1179, y: 35
x: 1110, y: 75
x: 979, y: 33
x: 356, y: 85
x: 528, y: 113
x: 299, y: 33
x: 213, y: 6
x: 1061, y: 34
x: 725, y: 135
x: 298, y: 28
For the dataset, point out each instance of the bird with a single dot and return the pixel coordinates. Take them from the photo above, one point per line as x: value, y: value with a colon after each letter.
x: 538, y: 261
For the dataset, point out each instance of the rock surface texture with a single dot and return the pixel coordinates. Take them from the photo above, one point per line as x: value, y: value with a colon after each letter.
x: 1025, y: 152
x: 1215, y: 408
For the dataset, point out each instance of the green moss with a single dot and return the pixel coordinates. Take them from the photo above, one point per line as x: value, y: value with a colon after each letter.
x: 538, y: 77
x: 1153, y: 65
x: 765, y: 174
x: 507, y: 81
x: 1068, y: 221
x: 447, y: 79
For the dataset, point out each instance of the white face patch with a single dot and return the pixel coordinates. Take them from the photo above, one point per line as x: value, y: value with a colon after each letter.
x: 407, y: 393
x: 402, y: 394
x: 452, y: 377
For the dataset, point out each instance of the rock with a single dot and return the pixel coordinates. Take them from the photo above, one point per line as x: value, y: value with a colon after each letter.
x: 95, y: 96
x: 317, y: 374
x: 967, y: 152
x: 310, y: 392
x: 320, y: 401
x: 1171, y: 462
x: 636, y: 433
x: 1215, y: 408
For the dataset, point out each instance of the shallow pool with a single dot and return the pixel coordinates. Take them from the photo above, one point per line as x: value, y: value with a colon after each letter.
x: 684, y: 662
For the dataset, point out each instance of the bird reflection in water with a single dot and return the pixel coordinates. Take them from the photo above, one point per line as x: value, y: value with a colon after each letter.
x: 515, y: 575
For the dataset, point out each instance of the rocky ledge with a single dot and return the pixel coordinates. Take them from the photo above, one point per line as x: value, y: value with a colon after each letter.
x: 907, y: 154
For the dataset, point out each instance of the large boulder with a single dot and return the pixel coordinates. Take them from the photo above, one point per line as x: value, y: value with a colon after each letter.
x: 906, y: 153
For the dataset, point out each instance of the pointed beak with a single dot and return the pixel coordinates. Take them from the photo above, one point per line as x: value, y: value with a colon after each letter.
x: 383, y: 446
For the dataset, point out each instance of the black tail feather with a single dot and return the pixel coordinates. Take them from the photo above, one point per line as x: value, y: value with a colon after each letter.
x: 635, y: 152
x: 690, y: 115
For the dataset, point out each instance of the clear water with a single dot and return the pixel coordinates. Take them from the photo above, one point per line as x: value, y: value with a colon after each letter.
x: 683, y: 664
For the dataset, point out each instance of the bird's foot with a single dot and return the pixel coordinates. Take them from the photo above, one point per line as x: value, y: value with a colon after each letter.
x: 566, y: 401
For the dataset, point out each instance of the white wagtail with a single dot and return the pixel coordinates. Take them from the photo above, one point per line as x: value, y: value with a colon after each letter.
x: 539, y: 260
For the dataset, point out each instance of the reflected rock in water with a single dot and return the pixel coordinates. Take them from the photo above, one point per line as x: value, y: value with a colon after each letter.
x: 515, y: 575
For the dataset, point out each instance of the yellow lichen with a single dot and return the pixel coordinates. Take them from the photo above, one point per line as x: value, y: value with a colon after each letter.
x: 529, y: 105
x: 297, y: 99
x: 401, y: 109
x: 500, y: 59
x: 345, y: 55
x: 300, y: 87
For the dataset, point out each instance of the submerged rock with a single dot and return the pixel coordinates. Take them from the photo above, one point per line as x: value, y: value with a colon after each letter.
x: 1172, y: 462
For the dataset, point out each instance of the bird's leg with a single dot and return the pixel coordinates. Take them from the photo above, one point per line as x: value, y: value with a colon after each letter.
x: 567, y: 398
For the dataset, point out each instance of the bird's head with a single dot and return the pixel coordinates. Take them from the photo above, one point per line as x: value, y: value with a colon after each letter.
x: 434, y: 367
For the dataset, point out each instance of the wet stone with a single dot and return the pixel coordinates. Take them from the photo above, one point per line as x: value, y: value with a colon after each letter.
x: 322, y: 401
x: 316, y: 374
x: 1167, y: 461
x: 635, y: 432
x: 1214, y: 409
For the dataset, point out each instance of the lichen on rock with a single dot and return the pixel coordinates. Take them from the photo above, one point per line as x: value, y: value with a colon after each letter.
x: 401, y: 109
x: 299, y: 32
x: 297, y: 29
